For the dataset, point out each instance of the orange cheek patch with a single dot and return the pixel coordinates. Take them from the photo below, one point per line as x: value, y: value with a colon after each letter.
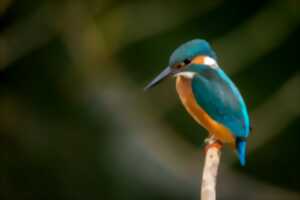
x: 198, y: 60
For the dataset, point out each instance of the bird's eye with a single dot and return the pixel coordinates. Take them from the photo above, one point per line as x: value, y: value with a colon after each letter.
x: 182, y: 64
x: 186, y: 61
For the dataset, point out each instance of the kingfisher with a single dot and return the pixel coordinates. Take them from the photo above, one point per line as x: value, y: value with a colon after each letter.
x: 208, y: 94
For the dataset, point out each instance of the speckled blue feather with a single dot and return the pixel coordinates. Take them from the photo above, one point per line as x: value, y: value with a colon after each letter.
x: 222, y: 101
x: 220, y: 98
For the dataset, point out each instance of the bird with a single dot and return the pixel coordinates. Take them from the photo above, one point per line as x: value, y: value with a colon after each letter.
x: 208, y: 94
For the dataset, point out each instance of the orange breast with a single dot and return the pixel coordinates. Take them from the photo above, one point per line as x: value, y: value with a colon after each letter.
x: 184, y: 90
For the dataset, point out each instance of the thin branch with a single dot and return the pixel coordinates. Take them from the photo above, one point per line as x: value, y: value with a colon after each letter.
x: 210, y: 169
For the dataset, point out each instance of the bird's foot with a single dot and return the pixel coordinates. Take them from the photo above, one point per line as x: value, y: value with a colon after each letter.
x: 212, y: 142
x: 211, y: 139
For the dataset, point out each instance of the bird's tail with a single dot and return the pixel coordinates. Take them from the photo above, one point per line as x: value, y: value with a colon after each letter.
x: 241, y: 145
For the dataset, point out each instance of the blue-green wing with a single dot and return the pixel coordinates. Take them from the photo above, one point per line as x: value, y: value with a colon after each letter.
x: 220, y: 98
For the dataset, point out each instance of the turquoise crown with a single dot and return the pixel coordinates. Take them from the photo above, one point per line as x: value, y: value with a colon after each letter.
x: 191, y: 49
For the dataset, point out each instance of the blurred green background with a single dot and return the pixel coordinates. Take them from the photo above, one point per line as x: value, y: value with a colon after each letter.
x: 76, y: 124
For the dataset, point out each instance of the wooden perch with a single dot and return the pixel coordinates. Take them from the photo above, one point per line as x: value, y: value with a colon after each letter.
x: 210, y: 169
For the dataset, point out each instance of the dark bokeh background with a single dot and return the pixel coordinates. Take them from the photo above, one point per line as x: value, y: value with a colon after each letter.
x: 76, y: 124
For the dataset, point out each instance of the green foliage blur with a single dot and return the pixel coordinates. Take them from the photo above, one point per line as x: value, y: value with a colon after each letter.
x: 76, y: 124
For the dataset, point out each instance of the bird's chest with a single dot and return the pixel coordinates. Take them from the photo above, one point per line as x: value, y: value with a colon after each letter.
x: 184, y: 90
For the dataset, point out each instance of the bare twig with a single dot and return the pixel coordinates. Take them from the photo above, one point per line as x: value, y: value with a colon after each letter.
x: 210, y: 169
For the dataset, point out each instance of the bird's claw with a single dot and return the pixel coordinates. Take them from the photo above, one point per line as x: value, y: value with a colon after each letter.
x: 210, y: 140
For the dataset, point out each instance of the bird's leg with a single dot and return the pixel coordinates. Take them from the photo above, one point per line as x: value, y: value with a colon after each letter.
x: 212, y: 141
x: 209, y: 138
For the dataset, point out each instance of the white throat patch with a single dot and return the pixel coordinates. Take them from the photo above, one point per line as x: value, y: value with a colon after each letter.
x: 189, y: 75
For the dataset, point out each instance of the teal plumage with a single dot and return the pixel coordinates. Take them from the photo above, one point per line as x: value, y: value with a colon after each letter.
x: 220, y: 98
x: 189, y: 49
x: 241, y: 146
x: 213, y: 91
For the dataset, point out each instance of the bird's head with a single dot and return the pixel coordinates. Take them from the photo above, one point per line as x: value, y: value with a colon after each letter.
x: 184, y: 58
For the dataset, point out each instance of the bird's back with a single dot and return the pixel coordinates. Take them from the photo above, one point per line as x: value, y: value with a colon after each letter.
x: 220, y: 98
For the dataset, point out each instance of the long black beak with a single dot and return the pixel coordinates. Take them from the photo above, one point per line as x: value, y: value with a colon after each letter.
x: 163, y: 75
